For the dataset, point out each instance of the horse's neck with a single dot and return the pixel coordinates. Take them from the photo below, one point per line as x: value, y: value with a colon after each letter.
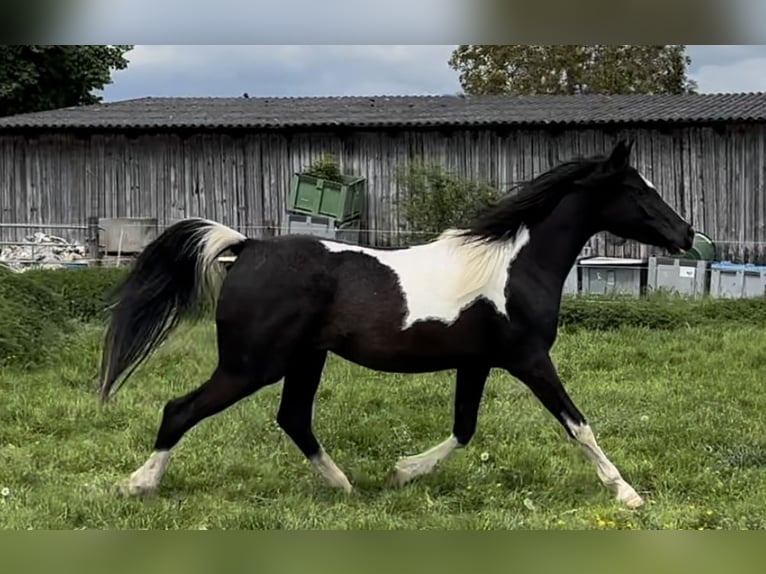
x: 556, y: 241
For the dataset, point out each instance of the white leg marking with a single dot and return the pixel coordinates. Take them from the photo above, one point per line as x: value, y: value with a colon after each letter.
x: 424, y: 463
x: 147, y: 478
x: 607, y: 472
x: 330, y: 471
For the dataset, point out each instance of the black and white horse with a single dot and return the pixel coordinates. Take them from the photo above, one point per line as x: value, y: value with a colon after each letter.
x: 475, y: 299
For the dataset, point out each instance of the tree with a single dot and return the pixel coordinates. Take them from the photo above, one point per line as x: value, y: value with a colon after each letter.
x: 35, y: 78
x: 572, y: 69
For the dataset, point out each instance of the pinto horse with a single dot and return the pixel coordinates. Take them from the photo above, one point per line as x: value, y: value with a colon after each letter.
x: 474, y: 299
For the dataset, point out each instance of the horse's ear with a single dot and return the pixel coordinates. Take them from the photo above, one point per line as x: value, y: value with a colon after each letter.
x: 620, y: 156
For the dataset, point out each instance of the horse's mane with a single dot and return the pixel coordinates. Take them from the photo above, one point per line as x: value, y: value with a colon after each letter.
x: 533, y: 201
x: 483, y: 247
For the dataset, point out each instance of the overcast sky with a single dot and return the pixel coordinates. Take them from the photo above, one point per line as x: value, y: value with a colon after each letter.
x: 321, y: 70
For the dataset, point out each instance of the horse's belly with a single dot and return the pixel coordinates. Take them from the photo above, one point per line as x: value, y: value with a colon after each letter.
x: 395, y: 361
x: 420, y: 348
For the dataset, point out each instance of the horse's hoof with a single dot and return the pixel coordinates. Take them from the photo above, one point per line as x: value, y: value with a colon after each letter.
x: 347, y: 488
x: 628, y: 496
x: 398, y: 476
x: 135, y: 490
x: 634, y: 502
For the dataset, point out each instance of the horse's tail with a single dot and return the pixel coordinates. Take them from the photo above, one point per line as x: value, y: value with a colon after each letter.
x: 169, y: 278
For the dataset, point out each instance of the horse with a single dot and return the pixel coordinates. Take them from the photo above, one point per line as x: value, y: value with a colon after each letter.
x: 483, y: 297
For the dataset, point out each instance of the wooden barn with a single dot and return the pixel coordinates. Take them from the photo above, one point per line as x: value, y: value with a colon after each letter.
x: 231, y: 159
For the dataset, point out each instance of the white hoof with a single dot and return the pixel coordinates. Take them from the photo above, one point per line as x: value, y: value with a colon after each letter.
x: 344, y: 486
x: 136, y: 488
x: 408, y: 469
x: 146, y: 479
x: 411, y: 467
x: 331, y: 473
x: 629, y: 497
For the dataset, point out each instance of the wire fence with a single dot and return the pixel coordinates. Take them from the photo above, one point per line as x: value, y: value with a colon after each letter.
x: 91, y: 254
x: 249, y: 228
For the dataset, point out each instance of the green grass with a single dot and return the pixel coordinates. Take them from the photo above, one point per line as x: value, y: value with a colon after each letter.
x: 679, y: 411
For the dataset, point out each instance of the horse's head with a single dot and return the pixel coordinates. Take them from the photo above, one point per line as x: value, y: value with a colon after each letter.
x: 628, y: 205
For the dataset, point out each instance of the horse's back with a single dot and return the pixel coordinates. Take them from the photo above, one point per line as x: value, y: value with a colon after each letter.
x: 276, y: 277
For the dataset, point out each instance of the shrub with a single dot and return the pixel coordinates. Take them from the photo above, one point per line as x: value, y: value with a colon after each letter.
x: 84, y: 292
x: 326, y: 167
x: 38, y: 307
x: 32, y: 319
x: 658, y: 312
x: 437, y: 200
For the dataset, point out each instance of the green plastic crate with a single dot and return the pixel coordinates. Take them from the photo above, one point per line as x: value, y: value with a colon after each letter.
x: 341, y: 201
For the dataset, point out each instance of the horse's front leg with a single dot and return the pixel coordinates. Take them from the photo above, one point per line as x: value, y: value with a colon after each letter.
x: 536, y: 370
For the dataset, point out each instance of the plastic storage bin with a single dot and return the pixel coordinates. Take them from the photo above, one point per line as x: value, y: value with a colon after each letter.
x: 340, y: 201
x: 613, y: 276
x: 737, y: 280
x: 681, y: 276
x: 325, y: 227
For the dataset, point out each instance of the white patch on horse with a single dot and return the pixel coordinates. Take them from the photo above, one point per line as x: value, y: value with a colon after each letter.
x: 411, y: 467
x: 147, y: 478
x: 607, y: 472
x: 330, y: 471
x: 646, y: 180
x: 442, y: 278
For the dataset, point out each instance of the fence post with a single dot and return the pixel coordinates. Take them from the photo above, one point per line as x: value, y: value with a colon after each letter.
x: 92, y: 247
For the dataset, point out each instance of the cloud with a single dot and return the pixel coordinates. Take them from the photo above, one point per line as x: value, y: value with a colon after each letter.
x: 728, y: 68
x: 284, y: 71
x: 722, y: 55
x: 743, y: 76
x: 335, y: 70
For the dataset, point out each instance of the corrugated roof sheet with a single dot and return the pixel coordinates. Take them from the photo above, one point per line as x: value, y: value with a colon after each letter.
x: 397, y: 111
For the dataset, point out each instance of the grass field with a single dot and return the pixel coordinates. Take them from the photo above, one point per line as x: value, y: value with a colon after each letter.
x: 680, y: 412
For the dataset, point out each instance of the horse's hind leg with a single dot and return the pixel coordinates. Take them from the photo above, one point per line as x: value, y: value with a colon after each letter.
x: 181, y: 414
x: 469, y: 388
x: 296, y: 413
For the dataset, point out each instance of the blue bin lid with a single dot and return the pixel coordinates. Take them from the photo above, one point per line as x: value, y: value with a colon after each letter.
x: 729, y: 266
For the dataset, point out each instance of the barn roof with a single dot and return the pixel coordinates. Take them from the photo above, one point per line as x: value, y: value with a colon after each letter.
x: 398, y: 111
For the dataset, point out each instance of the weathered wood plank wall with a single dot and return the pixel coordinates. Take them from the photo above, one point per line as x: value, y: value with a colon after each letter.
x: 715, y: 177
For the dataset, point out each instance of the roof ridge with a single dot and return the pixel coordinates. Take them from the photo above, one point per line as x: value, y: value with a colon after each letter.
x: 440, y: 96
x: 312, y: 97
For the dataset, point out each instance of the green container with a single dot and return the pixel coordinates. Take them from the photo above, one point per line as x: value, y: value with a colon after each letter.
x: 313, y: 196
x: 703, y: 249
